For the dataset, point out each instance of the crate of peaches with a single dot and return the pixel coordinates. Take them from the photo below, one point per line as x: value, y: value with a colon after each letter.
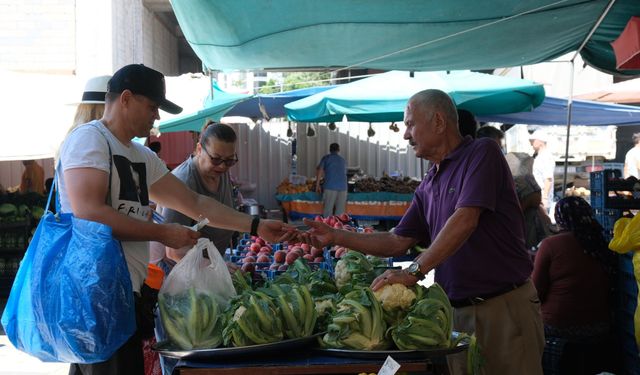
x: 257, y: 255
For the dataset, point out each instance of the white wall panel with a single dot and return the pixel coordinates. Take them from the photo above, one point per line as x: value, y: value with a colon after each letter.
x: 385, y: 152
x: 264, y: 153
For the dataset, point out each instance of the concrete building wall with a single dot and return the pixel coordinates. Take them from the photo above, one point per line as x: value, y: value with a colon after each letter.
x: 160, y: 45
x: 84, y: 38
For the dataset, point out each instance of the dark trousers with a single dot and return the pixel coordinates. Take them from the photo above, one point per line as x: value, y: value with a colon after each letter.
x: 129, y: 359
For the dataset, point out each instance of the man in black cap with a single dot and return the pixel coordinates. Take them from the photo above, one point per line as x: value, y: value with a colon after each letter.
x: 110, y: 179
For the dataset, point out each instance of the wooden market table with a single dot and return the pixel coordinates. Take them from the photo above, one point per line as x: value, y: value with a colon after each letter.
x: 305, y: 364
x: 361, y: 206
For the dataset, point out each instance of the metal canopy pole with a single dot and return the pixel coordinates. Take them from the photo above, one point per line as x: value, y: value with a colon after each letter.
x: 570, y: 99
x: 566, y: 150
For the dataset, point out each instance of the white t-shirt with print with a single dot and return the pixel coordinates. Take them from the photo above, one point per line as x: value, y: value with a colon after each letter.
x: 631, y: 160
x: 135, y: 168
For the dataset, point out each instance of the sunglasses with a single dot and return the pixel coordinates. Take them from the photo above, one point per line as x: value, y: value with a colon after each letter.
x: 217, y: 161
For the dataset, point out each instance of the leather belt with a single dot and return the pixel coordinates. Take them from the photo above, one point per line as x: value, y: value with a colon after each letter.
x: 464, y: 302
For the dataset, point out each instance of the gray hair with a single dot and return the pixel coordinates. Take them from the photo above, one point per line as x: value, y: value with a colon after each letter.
x: 436, y: 100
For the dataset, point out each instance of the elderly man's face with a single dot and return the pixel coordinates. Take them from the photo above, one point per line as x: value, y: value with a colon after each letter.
x: 420, y: 130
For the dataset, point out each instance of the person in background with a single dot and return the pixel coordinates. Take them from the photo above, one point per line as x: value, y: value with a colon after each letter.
x: 632, y: 159
x: 155, y: 147
x: 467, y: 209
x: 544, y: 166
x: 333, y: 168
x: 206, y: 172
x: 490, y: 132
x: 536, y: 222
x: 32, y: 180
x: 467, y: 123
x: 91, y: 106
x: 99, y: 159
x: 573, y: 275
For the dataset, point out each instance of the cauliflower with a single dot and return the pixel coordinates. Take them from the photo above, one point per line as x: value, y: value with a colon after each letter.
x: 353, y: 269
x: 342, y: 275
x: 393, y: 296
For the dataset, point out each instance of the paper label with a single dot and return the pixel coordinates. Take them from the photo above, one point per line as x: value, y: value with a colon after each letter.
x: 390, y: 367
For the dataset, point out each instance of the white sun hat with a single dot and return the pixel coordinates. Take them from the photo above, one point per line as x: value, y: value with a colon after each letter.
x: 95, y: 90
x: 540, y: 135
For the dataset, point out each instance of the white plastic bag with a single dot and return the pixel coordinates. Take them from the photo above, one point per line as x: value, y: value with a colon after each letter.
x: 194, y: 296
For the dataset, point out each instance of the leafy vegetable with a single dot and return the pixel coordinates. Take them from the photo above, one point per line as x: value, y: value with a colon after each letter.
x: 325, y: 307
x: 252, y: 318
x: 397, y: 300
x: 296, y: 308
x: 241, y: 281
x: 353, y: 270
x: 357, y: 323
x: 428, y: 324
x: 191, y: 320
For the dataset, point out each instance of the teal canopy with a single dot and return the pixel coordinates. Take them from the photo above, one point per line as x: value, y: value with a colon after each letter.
x: 214, y: 109
x: 421, y: 35
x: 383, y: 97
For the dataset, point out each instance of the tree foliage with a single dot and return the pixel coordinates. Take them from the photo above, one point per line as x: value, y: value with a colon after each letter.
x: 296, y: 80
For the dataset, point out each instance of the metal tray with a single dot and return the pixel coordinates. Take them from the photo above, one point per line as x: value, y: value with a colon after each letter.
x: 165, y: 348
x: 396, y: 354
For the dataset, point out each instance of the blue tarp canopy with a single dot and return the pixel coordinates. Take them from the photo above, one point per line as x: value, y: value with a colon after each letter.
x: 214, y: 109
x: 383, y: 97
x: 245, y: 105
x: 553, y: 111
x: 273, y: 104
x: 403, y: 35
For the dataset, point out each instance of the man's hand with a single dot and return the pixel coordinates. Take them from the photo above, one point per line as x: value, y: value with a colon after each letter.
x: 393, y: 277
x: 318, y: 189
x: 178, y: 236
x: 319, y: 233
x: 277, y: 231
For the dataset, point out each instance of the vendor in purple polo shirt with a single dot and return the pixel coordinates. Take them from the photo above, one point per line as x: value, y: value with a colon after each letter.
x: 467, y: 208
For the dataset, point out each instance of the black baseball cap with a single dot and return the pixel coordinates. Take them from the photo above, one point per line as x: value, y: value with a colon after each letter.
x: 143, y: 80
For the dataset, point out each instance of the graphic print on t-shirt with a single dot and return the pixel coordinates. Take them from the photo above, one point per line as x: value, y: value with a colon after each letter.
x: 133, y: 186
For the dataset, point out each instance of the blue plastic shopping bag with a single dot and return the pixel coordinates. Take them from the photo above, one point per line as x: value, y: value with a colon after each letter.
x: 71, y: 300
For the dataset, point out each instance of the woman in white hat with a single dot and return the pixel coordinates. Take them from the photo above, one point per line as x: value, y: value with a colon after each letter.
x: 91, y: 106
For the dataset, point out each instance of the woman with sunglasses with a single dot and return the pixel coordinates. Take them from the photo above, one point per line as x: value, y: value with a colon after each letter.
x: 206, y: 172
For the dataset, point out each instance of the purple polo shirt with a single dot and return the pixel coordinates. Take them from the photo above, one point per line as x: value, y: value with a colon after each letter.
x: 475, y: 174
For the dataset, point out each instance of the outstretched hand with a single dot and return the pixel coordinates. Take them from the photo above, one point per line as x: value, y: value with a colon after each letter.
x: 319, y: 234
x: 277, y: 231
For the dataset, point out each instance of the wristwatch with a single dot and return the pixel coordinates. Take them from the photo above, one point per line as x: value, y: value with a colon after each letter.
x: 414, y: 270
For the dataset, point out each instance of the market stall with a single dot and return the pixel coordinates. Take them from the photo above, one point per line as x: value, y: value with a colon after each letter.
x: 313, y: 304
x: 361, y: 206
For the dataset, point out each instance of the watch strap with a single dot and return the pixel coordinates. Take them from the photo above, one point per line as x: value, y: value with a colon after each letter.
x: 254, y: 225
x: 417, y: 274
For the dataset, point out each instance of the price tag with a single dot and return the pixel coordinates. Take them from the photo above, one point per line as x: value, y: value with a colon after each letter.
x: 390, y: 367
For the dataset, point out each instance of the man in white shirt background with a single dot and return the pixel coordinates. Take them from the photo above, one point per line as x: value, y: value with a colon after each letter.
x: 544, y: 166
x: 632, y: 159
